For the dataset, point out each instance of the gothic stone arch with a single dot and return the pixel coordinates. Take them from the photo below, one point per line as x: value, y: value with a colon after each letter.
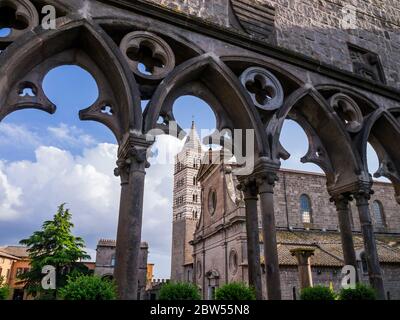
x: 249, y: 82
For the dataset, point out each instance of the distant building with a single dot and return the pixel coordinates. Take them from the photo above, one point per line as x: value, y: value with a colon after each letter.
x: 14, y: 262
x: 209, y: 241
x: 105, y: 263
x: 17, y: 261
x: 186, y: 206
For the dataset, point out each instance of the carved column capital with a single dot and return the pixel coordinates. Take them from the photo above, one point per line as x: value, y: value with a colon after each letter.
x: 132, y: 155
x: 266, y: 181
x: 303, y: 255
x: 341, y: 201
x: 363, y: 195
x: 249, y: 188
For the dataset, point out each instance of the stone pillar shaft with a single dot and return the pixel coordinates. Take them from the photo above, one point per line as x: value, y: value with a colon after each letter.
x: 131, y: 169
x: 304, y: 265
x: 374, y: 270
x: 266, y: 192
x: 343, y: 211
x: 253, y: 241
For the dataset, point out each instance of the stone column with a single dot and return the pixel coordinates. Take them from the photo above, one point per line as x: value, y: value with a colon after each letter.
x: 303, y: 256
x: 249, y: 189
x: 132, y: 162
x: 266, y: 182
x: 342, y: 202
x: 371, y: 253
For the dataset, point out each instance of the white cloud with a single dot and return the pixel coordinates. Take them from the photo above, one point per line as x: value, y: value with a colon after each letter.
x: 30, y: 192
x: 71, y: 135
x: 17, y: 135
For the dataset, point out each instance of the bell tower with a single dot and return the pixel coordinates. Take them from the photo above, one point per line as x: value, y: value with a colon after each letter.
x: 186, y: 206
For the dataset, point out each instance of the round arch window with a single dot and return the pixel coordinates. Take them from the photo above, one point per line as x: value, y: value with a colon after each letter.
x: 305, y: 209
x: 212, y: 201
x: 379, y: 213
x: 233, y: 261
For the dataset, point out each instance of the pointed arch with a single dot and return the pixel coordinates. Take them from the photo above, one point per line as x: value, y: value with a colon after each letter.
x: 26, y: 62
x: 330, y: 146
x: 208, y: 78
x: 382, y: 130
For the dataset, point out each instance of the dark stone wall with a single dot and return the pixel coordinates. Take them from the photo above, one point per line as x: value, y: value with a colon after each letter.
x: 287, y: 203
x: 321, y: 29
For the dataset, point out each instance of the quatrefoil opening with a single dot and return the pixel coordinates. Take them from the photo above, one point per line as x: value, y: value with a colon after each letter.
x: 348, y: 111
x: 148, y: 56
x: 264, y: 88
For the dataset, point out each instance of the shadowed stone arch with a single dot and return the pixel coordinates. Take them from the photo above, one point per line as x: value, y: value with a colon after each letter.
x: 26, y: 62
x: 380, y: 130
x: 329, y: 144
x: 210, y: 79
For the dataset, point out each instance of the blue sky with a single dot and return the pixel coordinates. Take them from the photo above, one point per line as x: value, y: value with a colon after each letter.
x: 46, y: 160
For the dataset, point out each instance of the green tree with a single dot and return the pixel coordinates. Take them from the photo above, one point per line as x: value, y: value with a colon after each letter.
x: 4, y: 289
x: 318, y: 293
x: 85, y: 287
x: 54, y: 245
x: 179, y: 291
x: 235, y: 291
x: 360, y: 292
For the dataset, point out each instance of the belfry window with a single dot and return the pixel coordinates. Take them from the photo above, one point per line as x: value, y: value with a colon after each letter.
x: 305, y: 208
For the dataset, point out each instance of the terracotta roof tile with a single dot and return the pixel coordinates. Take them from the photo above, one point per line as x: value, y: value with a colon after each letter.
x: 328, y: 247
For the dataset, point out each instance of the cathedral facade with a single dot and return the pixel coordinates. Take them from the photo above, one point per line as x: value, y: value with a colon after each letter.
x: 209, y: 228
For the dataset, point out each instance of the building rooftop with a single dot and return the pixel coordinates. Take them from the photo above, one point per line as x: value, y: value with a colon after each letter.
x: 113, y: 243
x: 16, y: 251
x: 6, y: 255
x: 328, y: 247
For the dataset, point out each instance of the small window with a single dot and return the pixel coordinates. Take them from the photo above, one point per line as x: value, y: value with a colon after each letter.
x: 305, y: 208
x: 212, y: 201
x: 113, y: 261
x: 198, y: 269
x: 194, y: 181
x: 364, y: 263
x: 379, y: 214
x: 233, y: 262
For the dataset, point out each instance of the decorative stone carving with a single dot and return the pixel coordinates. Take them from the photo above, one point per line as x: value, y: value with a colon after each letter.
x: 18, y: 15
x: 256, y: 19
x: 366, y: 64
x: 148, y: 56
x: 348, y: 111
x: 264, y: 88
x: 27, y: 93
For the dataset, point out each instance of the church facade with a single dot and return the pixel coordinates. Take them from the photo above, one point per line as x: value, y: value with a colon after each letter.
x: 209, y: 230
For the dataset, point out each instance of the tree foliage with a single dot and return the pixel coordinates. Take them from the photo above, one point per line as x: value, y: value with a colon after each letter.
x: 318, y: 293
x: 360, y: 292
x: 88, y: 287
x: 54, y: 245
x: 179, y: 291
x: 235, y: 291
x: 4, y: 289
